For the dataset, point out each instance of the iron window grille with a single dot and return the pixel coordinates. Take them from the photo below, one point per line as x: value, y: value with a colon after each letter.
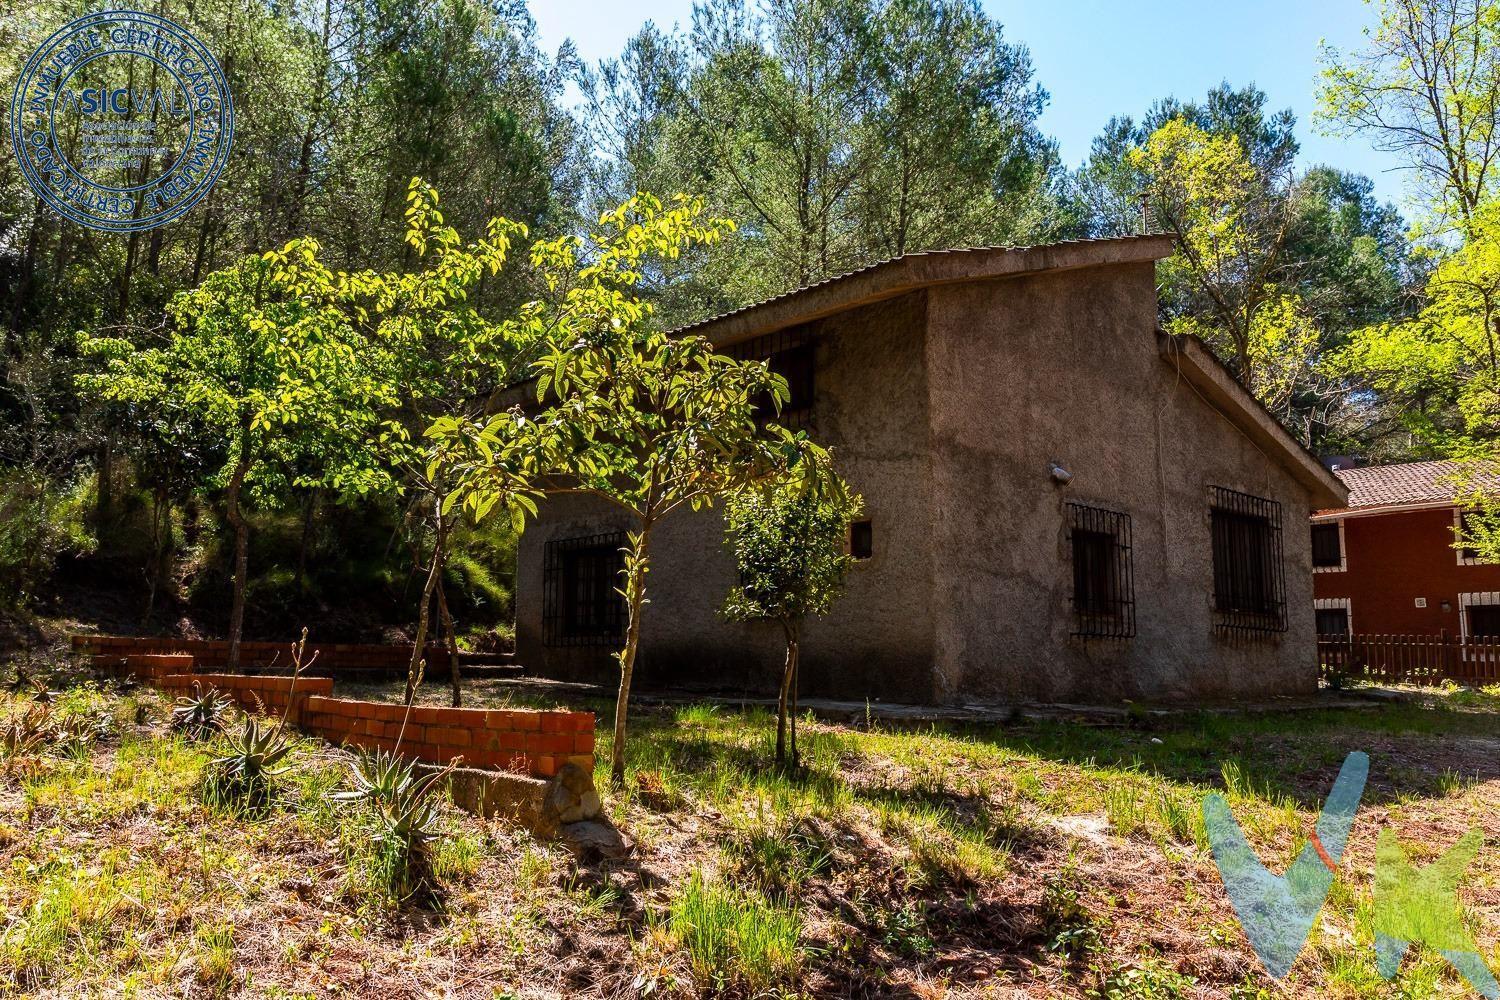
x: 1327, y: 550
x: 1249, y: 580
x: 581, y: 602
x: 791, y: 354
x: 1099, y: 546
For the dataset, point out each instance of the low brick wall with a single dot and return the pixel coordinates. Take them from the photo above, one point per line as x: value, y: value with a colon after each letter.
x: 107, y: 650
x: 150, y: 666
x: 271, y: 691
x: 522, y: 740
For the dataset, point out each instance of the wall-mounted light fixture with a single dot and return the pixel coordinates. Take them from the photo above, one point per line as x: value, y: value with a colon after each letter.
x: 1060, y: 475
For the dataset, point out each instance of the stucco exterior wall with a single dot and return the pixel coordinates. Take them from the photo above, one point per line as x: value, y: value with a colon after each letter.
x: 871, y: 408
x: 1064, y: 367
x: 946, y: 408
x: 1393, y: 559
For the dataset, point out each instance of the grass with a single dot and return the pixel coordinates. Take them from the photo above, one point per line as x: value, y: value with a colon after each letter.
x: 734, y: 937
x: 1046, y: 859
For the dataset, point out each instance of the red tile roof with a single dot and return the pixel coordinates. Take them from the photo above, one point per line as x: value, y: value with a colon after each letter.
x: 1411, y: 483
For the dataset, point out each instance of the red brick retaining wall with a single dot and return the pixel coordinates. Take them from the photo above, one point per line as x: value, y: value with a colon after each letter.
x: 271, y: 691
x: 521, y: 740
x: 149, y: 666
x: 105, y: 649
x: 512, y: 739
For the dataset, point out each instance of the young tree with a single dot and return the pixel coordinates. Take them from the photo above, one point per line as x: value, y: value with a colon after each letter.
x: 265, y: 358
x: 440, y: 356
x: 651, y: 424
x: 792, y: 553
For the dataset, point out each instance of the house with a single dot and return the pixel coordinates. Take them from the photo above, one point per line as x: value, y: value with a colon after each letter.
x: 1061, y: 503
x: 1386, y: 562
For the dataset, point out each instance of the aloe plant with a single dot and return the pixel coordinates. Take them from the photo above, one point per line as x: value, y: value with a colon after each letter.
x: 26, y: 681
x: 256, y: 751
x: 404, y: 819
x: 253, y: 759
x: 200, y: 714
x: 407, y: 827
x: 26, y: 733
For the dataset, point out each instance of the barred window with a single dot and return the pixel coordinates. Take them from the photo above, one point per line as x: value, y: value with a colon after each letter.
x: 1103, y: 577
x: 1484, y: 620
x: 581, y: 603
x: 790, y: 354
x: 1249, y: 582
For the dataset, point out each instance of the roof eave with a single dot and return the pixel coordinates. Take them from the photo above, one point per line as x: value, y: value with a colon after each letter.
x: 1204, y: 372
x: 911, y: 272
x: 1371, y: 510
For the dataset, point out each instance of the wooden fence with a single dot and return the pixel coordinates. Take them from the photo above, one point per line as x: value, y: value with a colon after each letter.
x: 1411, y: 659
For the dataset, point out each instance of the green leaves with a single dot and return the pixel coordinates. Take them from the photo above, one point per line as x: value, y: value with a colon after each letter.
x: 790, y: 548
x: 266, y: 355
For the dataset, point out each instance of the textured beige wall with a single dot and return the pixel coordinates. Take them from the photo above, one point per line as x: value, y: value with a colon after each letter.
x: 1064, y: 367
x: 945, y: 409
x: 871, y: 409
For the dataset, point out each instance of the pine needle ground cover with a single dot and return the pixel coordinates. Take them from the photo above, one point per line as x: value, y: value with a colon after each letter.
x: 1026, y: 860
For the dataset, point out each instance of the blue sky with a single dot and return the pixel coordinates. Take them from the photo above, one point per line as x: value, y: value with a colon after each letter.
x: 1098, y: 58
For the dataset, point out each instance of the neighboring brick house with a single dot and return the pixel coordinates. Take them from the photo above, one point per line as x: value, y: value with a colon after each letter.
x: 1061, y: 503
x: 1386, y: 563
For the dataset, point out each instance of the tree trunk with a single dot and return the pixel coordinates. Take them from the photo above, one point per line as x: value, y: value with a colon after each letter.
x: 309, y: 508
x: 104, y: 494
x: 161, y: 510
x: 450, y: 640
x: 635, y: 591
x: 424, y: 614
x: 781, y: 700
x: 241, y: 556
x: 794, y: 657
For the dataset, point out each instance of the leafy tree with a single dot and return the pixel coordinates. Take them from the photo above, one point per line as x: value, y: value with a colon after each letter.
x: 439, y: 356
x: 1205, y: 190
x: 337, y: 106
x: 1273, y: 270
x: 792, y: 555
x: 648, y: 423
x: 1426, y: 86
x: 1109, y: 187
x: 1441, y: 368
x: 263, y: 356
